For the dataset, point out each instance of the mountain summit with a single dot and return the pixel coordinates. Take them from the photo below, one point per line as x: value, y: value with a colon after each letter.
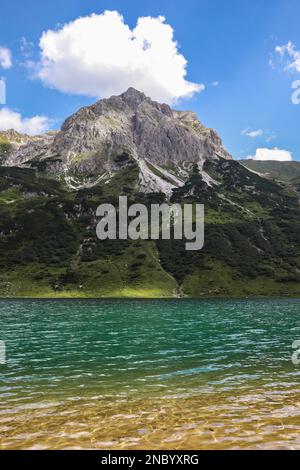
x: 94, y: 140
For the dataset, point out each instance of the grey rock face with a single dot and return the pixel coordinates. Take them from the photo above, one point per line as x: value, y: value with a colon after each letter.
x: 30, y: 148
x: 91, y: 139
x: 149, y: 130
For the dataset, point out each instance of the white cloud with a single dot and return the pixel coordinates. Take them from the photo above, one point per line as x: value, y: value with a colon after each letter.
x: 216, y: 83
x: 252, y: 134
x: 272, y: 154
x: 290, y: 50
x: 5, y: 58
x: 10, y: 119
x: 99, y: 55
x: 267, y: 135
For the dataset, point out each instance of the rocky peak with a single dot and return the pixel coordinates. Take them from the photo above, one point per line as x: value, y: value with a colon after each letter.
x: 14, y: 137
x: 133, y: 97
x: 150, y: 133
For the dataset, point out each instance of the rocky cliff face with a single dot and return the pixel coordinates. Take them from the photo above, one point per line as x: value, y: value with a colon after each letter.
x: 96, y: 140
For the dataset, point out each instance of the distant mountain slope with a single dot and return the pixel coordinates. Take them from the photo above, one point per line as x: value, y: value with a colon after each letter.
x: 286, y: 171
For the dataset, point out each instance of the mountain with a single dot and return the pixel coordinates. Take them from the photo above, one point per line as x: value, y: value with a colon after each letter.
x: 283, y: 172
x: 51, y: 186
x: 97, y: 140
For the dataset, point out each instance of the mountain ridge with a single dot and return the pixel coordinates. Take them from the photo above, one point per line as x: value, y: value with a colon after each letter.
x: 148, y: 132
x: 51, y: 186
x: 287, y: 173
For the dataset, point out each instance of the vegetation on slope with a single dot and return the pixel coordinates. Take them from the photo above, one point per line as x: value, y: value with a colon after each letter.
x: 274, y: 169
x: 285, y: 173
x: 5, y: 148
x: 49, y: 248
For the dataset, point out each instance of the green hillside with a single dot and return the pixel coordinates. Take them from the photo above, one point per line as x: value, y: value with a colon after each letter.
x: 283, y: 172
x: 49, y: 248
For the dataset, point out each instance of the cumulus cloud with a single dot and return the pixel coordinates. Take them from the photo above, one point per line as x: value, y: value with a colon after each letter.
x: 289, y: 50
x: 10, y: 119
x: 253, y: 134
x: 99, y: 55
x: 5, y: 58
x: 272, y: 154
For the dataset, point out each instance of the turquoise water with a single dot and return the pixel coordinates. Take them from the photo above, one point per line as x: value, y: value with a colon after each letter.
x: 83, y: 359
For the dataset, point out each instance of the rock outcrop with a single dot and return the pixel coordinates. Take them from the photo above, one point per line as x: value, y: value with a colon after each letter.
x: 91, y: 143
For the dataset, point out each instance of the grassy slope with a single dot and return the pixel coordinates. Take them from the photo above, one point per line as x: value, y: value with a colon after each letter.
x: 48, y: 246
x: 287, y: 173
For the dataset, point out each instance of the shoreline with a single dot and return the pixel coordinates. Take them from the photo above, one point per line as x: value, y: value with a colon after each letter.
x: 207, y: 421
x: 184, y: 298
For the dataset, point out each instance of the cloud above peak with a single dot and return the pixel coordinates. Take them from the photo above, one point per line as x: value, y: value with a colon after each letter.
x: 99, y: 55
x: 266, y: 154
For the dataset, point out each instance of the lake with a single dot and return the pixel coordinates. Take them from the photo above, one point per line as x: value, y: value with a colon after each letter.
x: 149, y: 374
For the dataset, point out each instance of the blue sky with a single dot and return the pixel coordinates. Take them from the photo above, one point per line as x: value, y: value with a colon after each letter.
x: 232, y: 43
